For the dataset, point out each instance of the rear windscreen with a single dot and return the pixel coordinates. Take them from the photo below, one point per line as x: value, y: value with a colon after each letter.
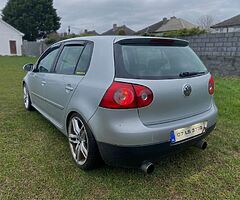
x: 144, y: 61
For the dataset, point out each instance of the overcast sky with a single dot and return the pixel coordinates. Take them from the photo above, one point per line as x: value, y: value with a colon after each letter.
x: 137, y: 14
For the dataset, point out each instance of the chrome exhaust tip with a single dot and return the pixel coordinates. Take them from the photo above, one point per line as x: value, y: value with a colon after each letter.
x: 147, y: 167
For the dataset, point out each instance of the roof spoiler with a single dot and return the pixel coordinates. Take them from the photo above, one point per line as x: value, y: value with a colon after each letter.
x: 154, y: 42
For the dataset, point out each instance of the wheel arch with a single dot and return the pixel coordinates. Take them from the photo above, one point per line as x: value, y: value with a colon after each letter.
x: 70, y: 113
x: 67, y: 120
x: 68, y: 116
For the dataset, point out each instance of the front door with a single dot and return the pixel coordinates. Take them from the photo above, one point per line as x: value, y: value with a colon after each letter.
x: 13, y: 47
x: 37, y: 77
x: 36, y: 81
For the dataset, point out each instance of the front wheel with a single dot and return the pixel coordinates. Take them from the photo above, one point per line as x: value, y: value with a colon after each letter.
x: 82, y: 144
x: 26, y: 99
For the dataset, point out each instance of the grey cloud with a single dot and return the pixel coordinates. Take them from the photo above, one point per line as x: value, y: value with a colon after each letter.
x: 101, y: 14
x: 137, y: 14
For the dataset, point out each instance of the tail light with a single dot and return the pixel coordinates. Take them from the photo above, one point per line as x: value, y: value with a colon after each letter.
x: 211, y: 85
x: 126, y: 95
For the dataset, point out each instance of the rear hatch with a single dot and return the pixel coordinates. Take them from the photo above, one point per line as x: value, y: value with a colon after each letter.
x: 171, y: 70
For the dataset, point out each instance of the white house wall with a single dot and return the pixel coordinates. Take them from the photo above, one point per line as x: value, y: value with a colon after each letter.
x: 228, y: 30
x: 7, y: 34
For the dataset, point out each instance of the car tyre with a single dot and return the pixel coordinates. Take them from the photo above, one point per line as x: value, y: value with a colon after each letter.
x: 82, y: 144
x: 26, y: 99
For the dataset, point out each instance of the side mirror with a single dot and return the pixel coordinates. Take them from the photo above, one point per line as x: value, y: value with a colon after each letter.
x: 28, y: 67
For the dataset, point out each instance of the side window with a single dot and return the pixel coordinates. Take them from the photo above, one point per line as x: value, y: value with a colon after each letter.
x: 46, y: 62
x: 85, y: 59
x: 68, y: 59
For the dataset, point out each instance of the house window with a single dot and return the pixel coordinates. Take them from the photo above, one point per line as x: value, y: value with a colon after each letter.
x: 237, y: 28
x: 13, y: 47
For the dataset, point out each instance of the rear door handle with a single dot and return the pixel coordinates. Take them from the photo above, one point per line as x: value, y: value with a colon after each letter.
x: 69, y: 88
x: 44, y: 83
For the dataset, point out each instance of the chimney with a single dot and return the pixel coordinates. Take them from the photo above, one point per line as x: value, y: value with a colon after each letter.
x: 114, y: 27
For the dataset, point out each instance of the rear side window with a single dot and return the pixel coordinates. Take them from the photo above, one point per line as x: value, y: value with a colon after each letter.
x: 147, y: 61
x: 68, y: 59
x: 85, y: 59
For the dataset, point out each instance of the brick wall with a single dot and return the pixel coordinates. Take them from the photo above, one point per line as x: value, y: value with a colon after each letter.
x: 220, y: 52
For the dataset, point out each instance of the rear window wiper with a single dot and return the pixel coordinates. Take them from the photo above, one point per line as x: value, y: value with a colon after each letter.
x: 187, y: 74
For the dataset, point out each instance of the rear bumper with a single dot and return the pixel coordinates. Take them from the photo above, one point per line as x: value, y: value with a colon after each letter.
x: 124, y: 128
x: 133, y: 156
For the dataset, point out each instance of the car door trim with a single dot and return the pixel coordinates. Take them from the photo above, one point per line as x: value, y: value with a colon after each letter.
x: 48, y: 101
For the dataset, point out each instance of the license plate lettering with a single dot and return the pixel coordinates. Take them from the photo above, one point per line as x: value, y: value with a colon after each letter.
x: 187, y: 132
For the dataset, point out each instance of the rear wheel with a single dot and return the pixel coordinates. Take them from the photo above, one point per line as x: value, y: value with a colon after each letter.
x: 82, y: 144
x: 26, y: 99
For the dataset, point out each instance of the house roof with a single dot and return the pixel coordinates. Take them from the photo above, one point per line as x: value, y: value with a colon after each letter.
x: 93, y: 32
x: 115, y: 30
x: 11, y: 27
x: 174, y: 24
x: 152, y: 28
x: 171, y: 24
x: 229, y: 22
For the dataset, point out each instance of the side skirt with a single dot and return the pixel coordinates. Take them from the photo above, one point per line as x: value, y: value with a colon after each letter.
x: 54, y: 122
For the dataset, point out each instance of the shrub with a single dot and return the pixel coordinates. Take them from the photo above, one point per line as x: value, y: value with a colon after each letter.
x: 54, y: 37
x: 184, y: 32
x: 121, y: 32
x: 178, y: 33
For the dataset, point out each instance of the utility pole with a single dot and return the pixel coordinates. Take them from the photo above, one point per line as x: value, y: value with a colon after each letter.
x: 69, y: 30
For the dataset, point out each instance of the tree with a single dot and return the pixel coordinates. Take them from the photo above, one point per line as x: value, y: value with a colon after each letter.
x: 55, y: 37
x: 206, y: 21
x: 121, y: 32
x: 34, y: 18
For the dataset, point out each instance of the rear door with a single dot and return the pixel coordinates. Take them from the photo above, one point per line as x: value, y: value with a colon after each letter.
x: 61, y: 84
x: 163, y: 66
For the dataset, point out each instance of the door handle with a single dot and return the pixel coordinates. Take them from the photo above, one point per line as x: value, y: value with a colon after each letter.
x: 69, y: 88
x: 43, y: 83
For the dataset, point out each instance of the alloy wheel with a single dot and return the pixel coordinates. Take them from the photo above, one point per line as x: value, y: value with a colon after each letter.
x: 25, y: 97
x: 78, y: 140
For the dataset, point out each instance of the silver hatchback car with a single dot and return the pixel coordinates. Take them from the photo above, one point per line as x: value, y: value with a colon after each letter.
x: 124, y: 100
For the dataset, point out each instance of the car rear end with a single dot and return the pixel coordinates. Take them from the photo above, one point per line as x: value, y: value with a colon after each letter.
x: 160, y: 101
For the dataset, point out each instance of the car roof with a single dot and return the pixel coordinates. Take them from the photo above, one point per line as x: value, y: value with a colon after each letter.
x: 115, y: 38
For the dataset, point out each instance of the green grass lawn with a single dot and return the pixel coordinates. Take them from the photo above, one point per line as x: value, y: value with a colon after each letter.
x: 35, y: 161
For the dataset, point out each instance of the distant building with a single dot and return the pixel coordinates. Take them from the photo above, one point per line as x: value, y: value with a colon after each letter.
x: 172, y: 24
x: 93, y: 32
x: 229, y: 25
x: 10, y: 40
x: 119, y: 30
